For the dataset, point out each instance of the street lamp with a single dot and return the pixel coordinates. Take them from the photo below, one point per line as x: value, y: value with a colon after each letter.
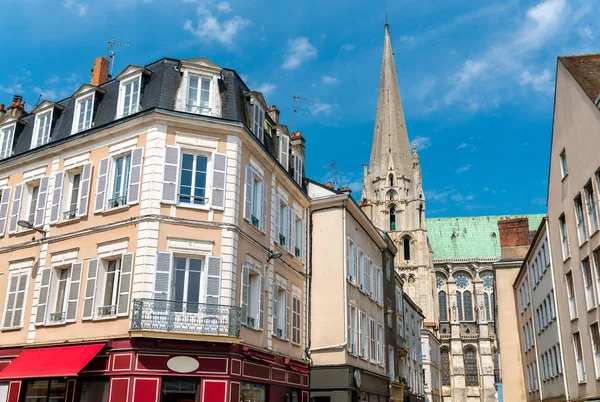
x: 274, y: 256
x: 29, y: 225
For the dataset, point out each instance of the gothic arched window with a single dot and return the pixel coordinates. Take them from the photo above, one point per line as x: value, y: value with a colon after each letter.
x: 392, y: 218
x: 468, y: 305
x: 406, y: 244
x: 391, y: 180
x: 443, y: 305
x: 488, y: 294
x: 459, y: 305
x: 486, y: 300
x: 470, y: 360
x: 445, y: 360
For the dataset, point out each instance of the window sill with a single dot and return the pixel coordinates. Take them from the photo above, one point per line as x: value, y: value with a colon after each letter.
x: 10, y: 329
x: 592, y: 308
x: 567, y: 258
x: 193, y: 206
x: 252, y: 328
x: 106, y: 318
x: 574, y: 318
x: 280, y: 339
x: 55, y: 324
x: 564, y: 177
x: 115, y: 210
x: 255, y: 229
x: 594, y: 232
x: 24, y: 232
x: 67, y: 222
x: 583, y: 243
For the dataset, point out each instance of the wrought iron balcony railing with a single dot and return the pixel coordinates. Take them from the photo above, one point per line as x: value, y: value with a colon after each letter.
x: 57, y: 317
x: 117, y: 202
x: 107, y: 311
x: 68, y: 215
x: 176, y: 316
x: 401, y: 342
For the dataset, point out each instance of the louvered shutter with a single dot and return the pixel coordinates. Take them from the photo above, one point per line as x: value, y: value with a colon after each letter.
x: 20, y: 301
x: 245, y: 293
x: 263, y: 219
x: 135, y: 176
x: 4, y: 209
x: 292, y: 231
x: 56, y: 197
x: 373, y: 281
x: 74, y: 285
x: 284, y: 151
x: 286, y: 311
x: 42, y: 307
x: 10, y: 300
x: 125, y: 285
x: 248, y: 189
x: 367, y: 276
x: 162, y: 275
x: 101, y: 185
x: 277, y: 217
x: 15, y: 209
x: 275, y: 308
x: 380, y: 286
x: 349, y: 345
x: 170, y: 174
x: 84, y: 190
x: 90, y: 290
x: 213, y: 280
x: 40, y: 206
x: 261, y: 302
x: 218, y: 181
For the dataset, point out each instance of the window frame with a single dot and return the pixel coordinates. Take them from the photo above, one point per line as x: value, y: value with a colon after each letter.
x: 591, y: 207
x: 579, y: 356
x: 122, y: 94
x: 296, y: 338
x: 7, y: 133
x: 573, y: 310
x: 67, y: 212
x: 258, y: 123
x: 202, y: 110
x: 121, y: 201
x: 564, y: 237
x: 55, y: 295
x: 580, y: 221
x: 564, y: 167
x: 77, y: 113
x: 35, y: 138
x: 186, y: 282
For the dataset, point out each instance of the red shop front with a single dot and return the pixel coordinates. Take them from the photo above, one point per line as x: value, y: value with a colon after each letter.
x: 151, y: 370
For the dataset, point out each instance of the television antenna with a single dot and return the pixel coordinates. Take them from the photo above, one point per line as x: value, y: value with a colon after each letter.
x: 295, y: 109
x: 110, y: 53
x: 334, y: 173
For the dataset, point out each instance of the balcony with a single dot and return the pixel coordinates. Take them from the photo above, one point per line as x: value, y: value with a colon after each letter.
x: 176, y: 316
x: 401, y: 344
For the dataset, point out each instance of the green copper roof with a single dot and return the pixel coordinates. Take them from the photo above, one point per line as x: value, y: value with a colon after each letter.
x: 469, y: 237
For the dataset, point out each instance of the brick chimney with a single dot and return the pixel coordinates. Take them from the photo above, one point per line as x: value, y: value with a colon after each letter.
x: 2, y: 112
x: 17, y: 107
x: 100, y: 73
x: 514, y: 237
x: 273, y: 113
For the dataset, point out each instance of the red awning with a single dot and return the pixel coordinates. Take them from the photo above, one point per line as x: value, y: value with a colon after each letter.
x: 300, y: 368
x: 62, y: 361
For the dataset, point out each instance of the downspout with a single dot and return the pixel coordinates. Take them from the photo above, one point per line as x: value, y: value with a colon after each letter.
x: 308, y: 285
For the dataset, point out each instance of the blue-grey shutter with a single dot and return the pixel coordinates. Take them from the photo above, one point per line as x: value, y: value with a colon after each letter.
x: 170, y: 174
x: 245, y: 293
x: 15, y: 209
x: 20, y: 301
x: 275, y: 314
x: 286, y: 311
x: 84, y: 189
x: 219, y: 180
x: 248, y: 194
x: 40, y: 206
x: 90, y: 290
x: 213, y: 280
x: 74, y: 285
x: 277, y: 218
x: 162, y: 275
x: 4, y: 209
x: 135, y: 176
x: 263, y: 219
x: 261, y: 302
x: 292, y: 238
x: 42, y: 307
x: 125, y: 285
x: 13, y: 282
x: 101, y: 185
x: 56, y: 197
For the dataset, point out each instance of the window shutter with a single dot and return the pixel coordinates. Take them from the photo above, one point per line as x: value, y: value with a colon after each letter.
x: 10, y: 300
x: 263, y: 219
x: 40, y: 315
x: 277, y: 217
x: 84, y: 190
x: 367, y: 276
x: 284, y: 151
x: 135, y: 177
x: 286, y: 329
x: 101, y: 185
x: 275, y: 308
x: 170, y: 174
x: 248, y: 194
x: 261, y: 301
x: 15, y: 209
x: 162, y: 275
x: 56, y: 197
x: 380, y: 286
x: 40, y: 209
x: 218, y: 181
x: 213, y: 280
x: 349, y: 329
x: 20, y: 301
x: 290, y: 233
x: 125, y: 285
x: 373, y: 281
x: 75, y: 283
x: 90, y: 290
x: 245, y: 293
x: 4, y: 209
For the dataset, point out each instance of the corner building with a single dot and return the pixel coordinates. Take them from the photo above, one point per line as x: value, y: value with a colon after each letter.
x: 153, y: 242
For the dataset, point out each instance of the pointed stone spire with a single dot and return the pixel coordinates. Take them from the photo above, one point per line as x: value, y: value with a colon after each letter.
x: 390, y: 139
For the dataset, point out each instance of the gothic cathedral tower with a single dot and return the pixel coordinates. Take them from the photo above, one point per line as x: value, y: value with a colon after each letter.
x: 393, y: 192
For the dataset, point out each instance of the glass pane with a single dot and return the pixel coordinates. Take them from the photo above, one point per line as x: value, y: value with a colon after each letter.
x: 199, y: 196
x: 193, y: 289
x: 200, y: 180
x: 195, y: 265
x: 179, y: 285
x: 118, y: 178
x: 201, y: 162
x: 127, y: 168
x: 94, y: 391
x: 187, y: 161
x: 36, y: 391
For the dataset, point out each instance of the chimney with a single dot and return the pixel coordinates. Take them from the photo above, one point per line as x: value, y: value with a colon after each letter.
x: 2, y: 111
x: 17, y: 107
x: 367, y: 208
x: 100, y: 73
x: 273, y: 113
x: 514, y: 237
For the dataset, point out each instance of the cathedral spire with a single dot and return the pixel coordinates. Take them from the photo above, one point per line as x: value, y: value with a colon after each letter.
x: 390, y: 138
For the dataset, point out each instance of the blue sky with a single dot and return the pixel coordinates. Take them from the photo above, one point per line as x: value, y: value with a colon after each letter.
x: 476, y: 78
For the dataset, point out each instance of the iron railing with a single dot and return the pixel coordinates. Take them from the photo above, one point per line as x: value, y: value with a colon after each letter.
x: 401, y: 342
x: 176, y: 316
x: 68, y: 215
x: 57, y: 317
x: 117, y: 202
x: 107, y: 311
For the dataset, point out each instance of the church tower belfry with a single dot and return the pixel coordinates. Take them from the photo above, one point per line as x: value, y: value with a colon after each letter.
x: 393, y: 191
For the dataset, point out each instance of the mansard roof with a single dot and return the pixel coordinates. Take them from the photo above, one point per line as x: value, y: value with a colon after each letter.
x: 585, y: 69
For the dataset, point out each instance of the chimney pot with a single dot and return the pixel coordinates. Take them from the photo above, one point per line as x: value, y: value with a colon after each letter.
x: 17, y: 108
x: 100, y: 73
x: 273, y: 113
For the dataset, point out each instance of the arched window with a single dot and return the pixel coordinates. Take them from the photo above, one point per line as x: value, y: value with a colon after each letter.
x: 470, y: 359
x: 443, y: 304
x: 392, y: 218
x: 391, y: 180
x: 468, y: 305
x: 486, y: 300
x: 459, y: 305
x: 406, y: 245
x: 445, y: 360
x: 488, y: 294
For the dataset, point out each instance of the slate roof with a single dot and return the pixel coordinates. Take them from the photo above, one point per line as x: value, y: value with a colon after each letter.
x: 586, y: 71
x: 469, y: 237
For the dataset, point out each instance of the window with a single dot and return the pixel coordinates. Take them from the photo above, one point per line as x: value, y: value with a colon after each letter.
x: 595, y: 334
x: 363, y: 270
x: 42, y: 129
x: 353, y: 330
x: 380, y: 346
x: 192, y: 180
x: 459, y: 305
x: 83, y: 114
x: 15, y: 300
x: 486, y: 300
x: 32, y: 204
x: 579, y: 357
x: 186, y: 283
x: 6, y: 148
x: 580, y: 220
x: 564, y: 236
x: 468, y: 305
x: 130, y: 93
x: 352, y: 261
x: 255, y: 193
x: 392, y: 218
x: 73, y: 196
x: 283, y: 224
x: 556, y: 350
x: 110, y: 288
x: 364, y: 334
x: 571, y: 294
x: 94, y: 390
x: 296, y: 319
x: 253, y: 300
x: 406, y: 244
x: 258, y: 121
x: 60, y: 306
x: 470, y: 361
x: 372, y: 340
x: 298, y: 239
x: 284, y: 150
x: 596, y: 259
x: 590, y: 202
x: 588, y: 282
x: 121, y: 168
x: 563, y: 163
x: 46, y: 390
x: 198, y: 95
x: 280, y: 307
x: 443, y: 306
x: 391, y: 180
x: 298, y: 168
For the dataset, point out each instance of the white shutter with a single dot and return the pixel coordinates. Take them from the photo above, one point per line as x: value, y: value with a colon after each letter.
x: 349, y: 344
x: 373, y: 290
x: 125, y: 285
x: 286, y: 311
x: 275, y: 296
x: 20, y: 301
x: 4, y: 209
x: 245, y: 293
x: 261, y: 302
x: 170, y: 175
x: 40, y: 209
x: 162, y: 275
x: 84, y: 190
x: 90, y: 290
x: 15, y: 209
x: 367, y: 276
x: 248, y: 189
x: 219, y: 180
x: 290, y: 214
x: 135, y: 176
x: 277, y: 218
x: 56, y: 197
x: 213, y: 280
x: 292, y: 237
x: 13, y: 282
x: 380, y: 286
x: 42, y: 307
x: 74, y: 284
x: 284, y: 150
x: 263, y: 219
x: 101, y: 185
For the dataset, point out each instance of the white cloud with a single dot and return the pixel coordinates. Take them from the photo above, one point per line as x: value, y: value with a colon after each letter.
x: 72, y: 78
x: 458, y: 197
x: 210, y: 28
x: 437, y: 196
x: 321, y: 108
x: 298, y: 51
x: 462, y: 145
x: 409, y: 40
x: 463, y: 169
x: 347, y: 47
x: 330, y: 80
x: 46, y: 94
x: 542, y: 82
x: 224, y: 7
x: 422, y: 142
x: 266, y: 88
x: 75, y: 7
x: 53, y: 79
x: 425, y: 87
x: 586, y: 32
x: 13, y: 89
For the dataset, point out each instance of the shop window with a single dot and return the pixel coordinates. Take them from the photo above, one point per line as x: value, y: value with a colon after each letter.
x: 180, y: 389
x: 46, y: 391
x: 253, y: 392
x: 94, y: 390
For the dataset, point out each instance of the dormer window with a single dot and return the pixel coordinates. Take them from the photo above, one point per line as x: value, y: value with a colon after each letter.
x: 198, y: 95
x: 298, y: 168
x: 83, y: 113
x: 43, y: 122
x: 258, y: 121
x: 130, y: 95
x: 6, y: 141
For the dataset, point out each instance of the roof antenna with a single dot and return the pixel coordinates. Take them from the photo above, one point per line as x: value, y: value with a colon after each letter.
x: 110, y: 54
x: 37, y: 102
x: 295, y: 109
x: 334, y: 173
